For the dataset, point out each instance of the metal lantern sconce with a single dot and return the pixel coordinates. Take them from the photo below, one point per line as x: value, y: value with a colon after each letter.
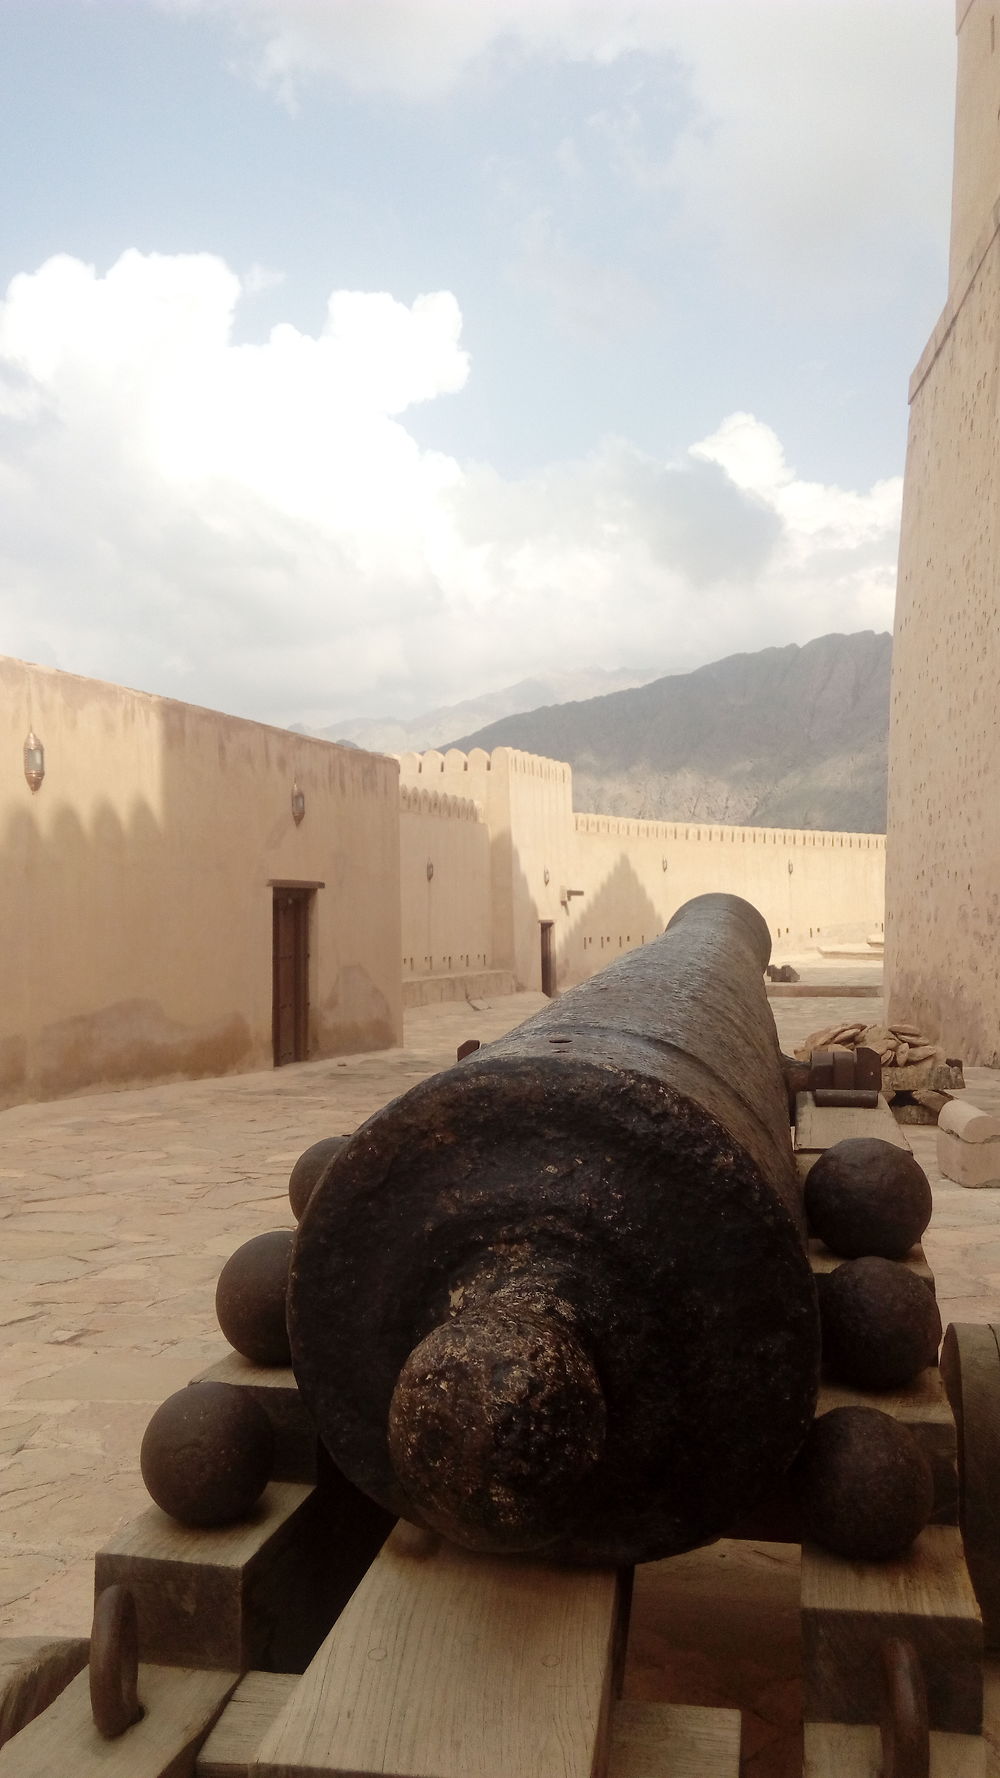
x: 34, y: 761
x: 663, y: 862
x: 547, y: 875
x: 298, y: 804
x: 430, y: 870
x: 791, y: 867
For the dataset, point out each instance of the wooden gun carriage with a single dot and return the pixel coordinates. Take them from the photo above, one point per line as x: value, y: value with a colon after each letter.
x: 604, y: 1207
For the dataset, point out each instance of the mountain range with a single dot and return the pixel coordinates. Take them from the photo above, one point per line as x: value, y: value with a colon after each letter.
x: 786, y: 737
x: 390, y: 734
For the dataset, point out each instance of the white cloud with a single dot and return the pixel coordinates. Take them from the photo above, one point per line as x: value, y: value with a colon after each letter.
x: 254, y: 527
x: 819, y: 138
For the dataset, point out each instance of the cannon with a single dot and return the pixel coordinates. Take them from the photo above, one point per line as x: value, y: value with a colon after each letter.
x: 557, y: 1298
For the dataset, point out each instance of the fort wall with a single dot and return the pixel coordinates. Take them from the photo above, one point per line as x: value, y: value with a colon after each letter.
x: 136, y: 896
x: 605, y: 884
x: 143, y: 880
x: 943, y: 879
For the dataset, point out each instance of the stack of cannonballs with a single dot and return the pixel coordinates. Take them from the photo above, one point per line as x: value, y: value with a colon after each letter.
x: 208, y: 1451
x: 865, y: 1487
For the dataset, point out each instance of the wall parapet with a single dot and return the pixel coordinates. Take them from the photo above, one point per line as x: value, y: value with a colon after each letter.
x: 527, y: 765
x: 414, y: 800
x: 627, y: 827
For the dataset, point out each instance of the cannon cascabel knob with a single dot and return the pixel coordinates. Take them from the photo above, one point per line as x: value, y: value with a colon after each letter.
x: 495, y: 1421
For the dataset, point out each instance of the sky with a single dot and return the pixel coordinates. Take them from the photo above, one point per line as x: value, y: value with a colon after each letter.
x: 361, y: 356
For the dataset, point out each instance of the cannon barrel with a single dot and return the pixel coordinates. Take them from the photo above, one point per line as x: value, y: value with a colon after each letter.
x: 556, y: 1298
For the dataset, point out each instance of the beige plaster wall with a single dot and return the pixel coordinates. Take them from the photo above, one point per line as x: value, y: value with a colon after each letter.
x: 526, y: 803
x: 813, y: 888
x: 608, y: 884
x: 976, y: 173
x: 943, y: 876
x: 135, y: 900
x: 444, y: 851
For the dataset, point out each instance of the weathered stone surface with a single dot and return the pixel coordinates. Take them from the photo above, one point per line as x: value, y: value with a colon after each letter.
x: 610, y: 1188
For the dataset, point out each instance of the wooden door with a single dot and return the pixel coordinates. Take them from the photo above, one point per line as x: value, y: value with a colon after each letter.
x: 291, y: 975
x: 548, y: 958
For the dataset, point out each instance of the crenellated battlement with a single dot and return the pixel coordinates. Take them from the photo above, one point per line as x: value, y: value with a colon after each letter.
x: 626, y: 827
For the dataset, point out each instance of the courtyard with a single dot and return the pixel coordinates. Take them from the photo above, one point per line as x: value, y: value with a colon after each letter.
x: 118, y: 1211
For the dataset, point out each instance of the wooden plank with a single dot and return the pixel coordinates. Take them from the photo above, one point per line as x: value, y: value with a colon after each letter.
x: 33, y: 1671
x: 275, y: 1388
x: 818, y: 1128
x: 970, y: 1362
x: 255, y: 1704
x: 837, y: 1750
x: 673, y: 1741
x: 459, y: 1666
x: 922, y: 1407
x: 180, y: 1707
x: 849, y: 1608
x: 261, y: 1593
x: 823, y: 1260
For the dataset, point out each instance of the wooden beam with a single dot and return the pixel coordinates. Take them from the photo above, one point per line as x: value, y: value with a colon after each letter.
x: 277, y: 1392
x: 822, y: 1259
x: 261, y: 1593
x: 460, y: 1666
x: 818, y: 1128
x: 255, y: 1704
x: 674, y: 1741
x: 839, y: 1750
x: 180, y: 1707
x: 33, y: 1671
x: 848, y: 1610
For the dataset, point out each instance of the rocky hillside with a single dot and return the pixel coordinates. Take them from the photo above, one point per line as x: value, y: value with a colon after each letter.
x: 788, y: 737
x: 389, y: 734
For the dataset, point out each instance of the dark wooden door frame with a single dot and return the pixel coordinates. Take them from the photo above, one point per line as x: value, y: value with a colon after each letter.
x: 290, y: 923
x: 548, y: 957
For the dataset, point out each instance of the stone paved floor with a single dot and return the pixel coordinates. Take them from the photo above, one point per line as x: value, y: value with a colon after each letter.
x: 117, y: 1212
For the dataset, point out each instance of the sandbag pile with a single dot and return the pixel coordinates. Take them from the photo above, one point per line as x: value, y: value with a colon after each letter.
x: 898, y: 1046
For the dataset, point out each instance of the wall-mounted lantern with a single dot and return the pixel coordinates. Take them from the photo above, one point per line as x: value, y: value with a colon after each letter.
x: 430, y: 870
x: 298, y: 805
x: 663, y: 862
x: 547, y: 875
x: 791, y: 866
x: 34, y: 761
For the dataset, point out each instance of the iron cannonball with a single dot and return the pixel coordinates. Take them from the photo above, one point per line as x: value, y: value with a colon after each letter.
x: 879, y: 1323
x: 309, y: 1169
x: 864, y: 1486
x: 250, y: 1298
x: 206, y: 1454
x: 865, y: 1196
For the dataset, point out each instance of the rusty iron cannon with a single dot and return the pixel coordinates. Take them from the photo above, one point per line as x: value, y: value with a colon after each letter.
x: 557, y: 1298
